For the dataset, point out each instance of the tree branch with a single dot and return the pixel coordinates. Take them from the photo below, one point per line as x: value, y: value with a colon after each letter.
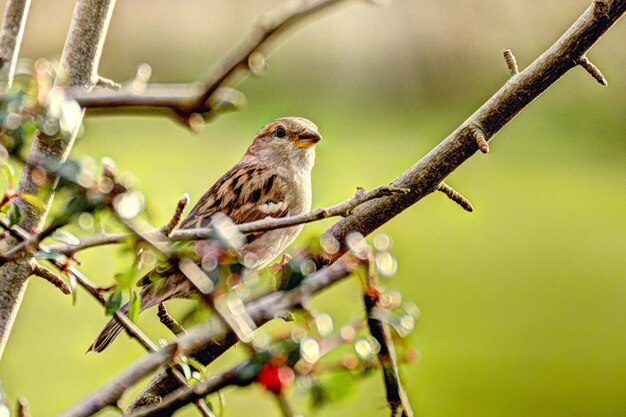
x: 79, y: 62
x: 379, y: 329
x: 261, y: 310
x: 13, y: 24
x: 424, y: 177
x: 185, y: 100
x: 340, y: 209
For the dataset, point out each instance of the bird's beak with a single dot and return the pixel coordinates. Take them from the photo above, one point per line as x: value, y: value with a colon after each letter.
x: 307, y: 138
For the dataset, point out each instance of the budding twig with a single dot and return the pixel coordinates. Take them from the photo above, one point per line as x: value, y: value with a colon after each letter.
x: 455, y: 196
x: 51, y: 276
x: 511, y: 63
x: 592, y: 70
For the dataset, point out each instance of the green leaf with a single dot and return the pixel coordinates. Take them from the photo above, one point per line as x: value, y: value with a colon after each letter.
x: 114, y: 302
x: 34, y: 200
x: 15, y: 215
x: 126, y: 279
x: 8, y: 172
x: 73, y: 285
x: 135, y: 306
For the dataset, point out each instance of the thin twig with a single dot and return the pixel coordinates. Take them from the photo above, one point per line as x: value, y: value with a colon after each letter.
x: 178, y: 213
x: 261, y: 310
x: 169, y: 321
x: 188, y: 99
x: 23, y: 410
x: 592, y: 70
x: 13, y: 24
x: 397, y: 397
x: 455, y: 196
x: 51, y: 276
x: 343, y: 208
x: 511, y: 63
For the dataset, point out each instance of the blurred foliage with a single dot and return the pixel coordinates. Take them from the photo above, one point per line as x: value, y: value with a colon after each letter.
x: 522, y: 300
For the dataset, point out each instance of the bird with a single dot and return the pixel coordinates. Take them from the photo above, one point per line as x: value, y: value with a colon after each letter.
x: 272, y: 179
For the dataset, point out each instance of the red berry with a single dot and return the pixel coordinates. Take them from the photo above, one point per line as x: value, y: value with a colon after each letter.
x: 275, y: 379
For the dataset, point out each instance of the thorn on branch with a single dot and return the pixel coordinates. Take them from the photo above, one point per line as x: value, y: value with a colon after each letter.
x: 169, y: 321
x: 592, y: 70
x: 178, y: 212
x: 23, y: 410
x: 511, y: 63
x: 51, y: 276
x: 479, y: 136
x: 455, y: 196
x: 106, y: 83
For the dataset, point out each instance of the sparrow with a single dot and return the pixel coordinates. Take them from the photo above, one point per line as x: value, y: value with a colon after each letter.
x: 272, y: 179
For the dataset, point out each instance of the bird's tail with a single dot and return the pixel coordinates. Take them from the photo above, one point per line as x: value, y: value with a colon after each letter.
x: 176, y: 286
x: 108, y: 334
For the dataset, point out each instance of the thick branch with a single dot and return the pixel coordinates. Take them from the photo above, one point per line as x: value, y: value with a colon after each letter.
x: 188, y: 99
x: 13, y: 24
x: 261, y: 310
x: 423, y: 177
x: 79, y: 61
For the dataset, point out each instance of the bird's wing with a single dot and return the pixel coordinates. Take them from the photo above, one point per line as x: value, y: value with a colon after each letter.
x: 244, y: 194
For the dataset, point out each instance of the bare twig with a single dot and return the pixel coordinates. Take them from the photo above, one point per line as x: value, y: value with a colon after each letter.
x: 340, y: 209
x: 13, y: 24
x: 511, y: 63
x: 23, y: 410
x: 592, y: 70
x: 180, y: 207
x: 396, y: 394
x: 52, y: 277
x: 261, y: 310
x: 455, y: 196
x: 185, y: 100
x: 513, y: 97
x: 169, y: 321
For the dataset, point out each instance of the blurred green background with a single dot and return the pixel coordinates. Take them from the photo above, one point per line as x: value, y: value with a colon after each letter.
x: 523, y: 301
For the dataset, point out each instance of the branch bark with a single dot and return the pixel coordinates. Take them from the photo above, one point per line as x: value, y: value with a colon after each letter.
x: 79, y: 62
x: 185, y: 100
x: 261, y: 310
x: 424, y: 177
x: 340, y: 209
x: 517, y: 93
x: 15, y: 16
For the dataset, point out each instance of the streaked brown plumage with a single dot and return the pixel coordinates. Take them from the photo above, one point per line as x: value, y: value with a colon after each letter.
x: 272, y: 179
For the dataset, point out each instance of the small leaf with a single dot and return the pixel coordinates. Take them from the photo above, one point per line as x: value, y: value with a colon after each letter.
x: 66, y: 237
x: 15, y: 215
x: 114, y: 302
x: 197, y: 365
x: 34, y: 200
x: 126, y: 279
x: 8, y: 172
x: 73, y: 284
x: 135, y: 306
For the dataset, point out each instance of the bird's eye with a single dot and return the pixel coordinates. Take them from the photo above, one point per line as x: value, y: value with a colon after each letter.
x: 280, y: 132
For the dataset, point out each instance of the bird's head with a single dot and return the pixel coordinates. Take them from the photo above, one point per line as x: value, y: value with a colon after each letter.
x: 286, y: 139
